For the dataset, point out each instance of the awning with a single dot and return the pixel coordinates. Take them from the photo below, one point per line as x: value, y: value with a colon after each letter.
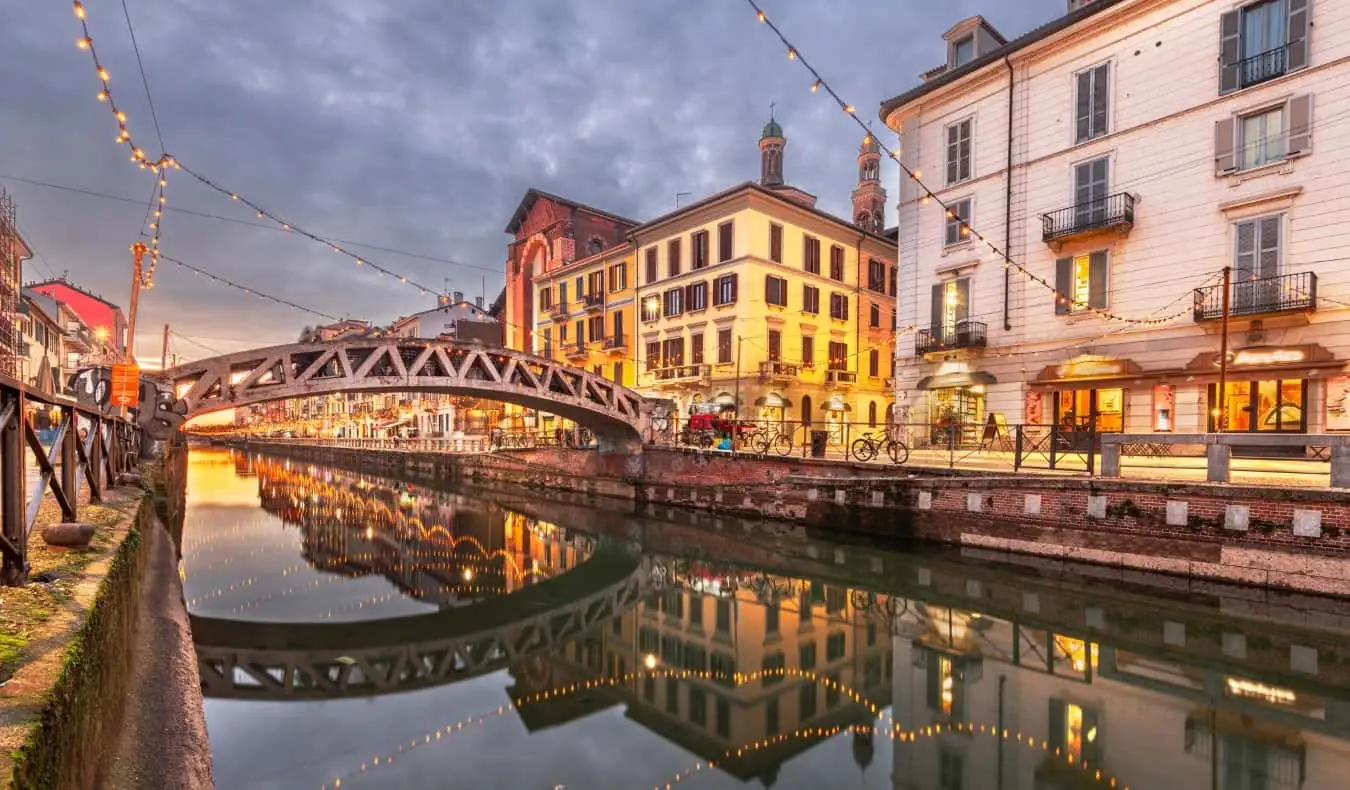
x: 949, y: 380
x: 774, y: 401
x: 835, y: 403
x: 726, y: 399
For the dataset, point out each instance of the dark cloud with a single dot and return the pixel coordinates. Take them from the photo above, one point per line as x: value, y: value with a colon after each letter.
x: 418, y: 125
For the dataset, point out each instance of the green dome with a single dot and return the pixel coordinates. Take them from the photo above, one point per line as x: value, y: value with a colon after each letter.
x: 771, y: 129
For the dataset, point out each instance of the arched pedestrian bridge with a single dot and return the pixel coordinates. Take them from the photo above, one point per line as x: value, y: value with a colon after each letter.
x: 617, y: 415
x: 239, y: 659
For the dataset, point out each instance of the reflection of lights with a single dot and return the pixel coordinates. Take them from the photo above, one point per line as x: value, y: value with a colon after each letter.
x: 649, y: 661
x: 468, y: 574
x: 370, y: 533
x: 1248, y: 688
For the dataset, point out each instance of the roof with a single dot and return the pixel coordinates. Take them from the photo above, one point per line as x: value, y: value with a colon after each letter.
x: 74, y: 287
x: 771, y: 129
x: 1021, y: 42
x: 754, y: 186
x: 498, y: 305
x: 446, y: 309
x: 49, y: 307
x: 532, y: 194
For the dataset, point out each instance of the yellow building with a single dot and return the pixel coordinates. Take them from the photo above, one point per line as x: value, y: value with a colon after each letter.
x: 586, y: 311
x: 754, y: 293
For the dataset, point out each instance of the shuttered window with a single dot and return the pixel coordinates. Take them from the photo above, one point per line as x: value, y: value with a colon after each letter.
x: 950, y: 306
x: 1081, y: 282
x: 1261, y: 41
x: 808, y: 351
x: 696, y: 348
x: 724, y: 346
x: 725, y: 290
x: 699, y: 242
x: 776, y: 243
x: 673, y: 302
x: 957, y: 228
x: 1268, y: 135
x: 1092, y: 103
x: 673, y: 258
x: 958, y: 151
x: 839, y: 306
x: 836, y: 263
x: 775, y: 291
x: 726, y: 237
x: 810, y: 254
x: 775, y: 345
x: 653, y: 355
x: 1258, y: 249
x: 652, y: 274
x: 810, y: 299
x: 695, y: 297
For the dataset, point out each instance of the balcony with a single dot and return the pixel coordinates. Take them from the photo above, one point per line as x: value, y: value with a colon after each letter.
x: 681, y: 374
x: 1113, y: 212
x: 776, y: 370
x: 1286, y: 293
x: 840, y: 377
x: 594, y: 302
x: 576, y: 349
x: 1263, y: 67
x: 557, y: 310
x: 616, y: 343
x: 966, y: 334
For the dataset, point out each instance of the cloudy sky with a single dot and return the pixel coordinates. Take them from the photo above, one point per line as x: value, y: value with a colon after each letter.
x: 416, y: 126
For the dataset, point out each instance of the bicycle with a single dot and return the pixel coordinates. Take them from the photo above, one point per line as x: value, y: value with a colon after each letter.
x: 868, y: 446
x: 764, y: 439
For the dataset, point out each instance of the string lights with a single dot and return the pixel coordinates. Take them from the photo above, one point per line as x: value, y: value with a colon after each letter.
x: 250, y: 291
x: 966, y: 230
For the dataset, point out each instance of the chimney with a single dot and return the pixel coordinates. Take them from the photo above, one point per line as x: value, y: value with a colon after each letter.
x: 478, y: 302
x: 459, y: 297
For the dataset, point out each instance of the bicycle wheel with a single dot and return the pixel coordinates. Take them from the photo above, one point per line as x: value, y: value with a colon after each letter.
x: 781, y: 444
x: 864, y: 450
x: 898, y: 452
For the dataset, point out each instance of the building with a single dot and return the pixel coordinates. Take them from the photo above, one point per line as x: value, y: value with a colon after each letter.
x: 104, y: 320
x: 549, y: 232
x: 40, y: 351
x: 810, y: 339
x: 1125, y: 154
x: 346, y: 328
x: 586, y: 313
x: 451, y: 315
x: 13, y: 252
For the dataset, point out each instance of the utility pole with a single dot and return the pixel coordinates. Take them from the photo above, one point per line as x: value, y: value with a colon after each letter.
x: 736, y: 407
x: 164, y: 350
x: 1222, y: 411
x: 138, y: 251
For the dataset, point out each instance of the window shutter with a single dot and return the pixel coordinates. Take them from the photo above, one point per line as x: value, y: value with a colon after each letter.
x: 1300, y: 124
x: 1225, y: 146
x: 735, y: 287
x: 1268, y: 264
x: 689, y: 296
x: 768, y: 290
x: 935, y: 318
x: 953, y: 154
x: 1244, y: 261
x: 963, y: 299
x: 1296, y: 36
x: 1063, y: 276
x: 1097, y: 280
x: 1101, y: 98
x: 1058, y: 719
x: 1230, y: 51
x: 1083, y: 108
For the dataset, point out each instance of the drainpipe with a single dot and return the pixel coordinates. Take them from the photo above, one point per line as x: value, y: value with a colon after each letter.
x: 857, y: 320
x: 1007, y: 206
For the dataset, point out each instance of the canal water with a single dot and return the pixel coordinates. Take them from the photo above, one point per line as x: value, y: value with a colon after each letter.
x: 359, y: 632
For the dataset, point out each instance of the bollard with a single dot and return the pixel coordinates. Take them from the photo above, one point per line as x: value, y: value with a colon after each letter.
x: 1218, y: 459
x: 1110, y: 460
x: 1340, y: 466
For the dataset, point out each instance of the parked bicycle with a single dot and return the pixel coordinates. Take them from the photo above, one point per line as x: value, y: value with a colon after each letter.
x: 762, y: 440
x: 869, y: 446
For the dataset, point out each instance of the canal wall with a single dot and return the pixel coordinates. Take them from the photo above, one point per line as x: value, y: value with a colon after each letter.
x: 1280, y: 538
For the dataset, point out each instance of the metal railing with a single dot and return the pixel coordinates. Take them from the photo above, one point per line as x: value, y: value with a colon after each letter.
x: 1108, y: 212
x: 576, y: 349
x: 593, y: 301
x: 965, y: 334
x: 81, y: 446
x: 1280, y: 294
x: 777, y: 369
x: 841, y: 377
x: 1263, y: 66
x: 463, y: 444
x: 680, y: 372
x: 615, y: 343
x: 557, y: 309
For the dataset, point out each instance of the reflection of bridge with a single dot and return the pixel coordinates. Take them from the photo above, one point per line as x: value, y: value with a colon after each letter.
x: 306, y: 661
x: 616, y: 414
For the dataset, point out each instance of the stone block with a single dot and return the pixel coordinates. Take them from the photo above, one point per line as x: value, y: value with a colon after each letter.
x: 1174, y: 634
x: 1094, y: 617
x: 1096, y: 506
x: 839, y: 557
x: 812, y: 494
x: 1178, y: 512
x: 925, y: 500
x: 974, y: 589
x: 1303, y: 659
x: 1031, y: 602
x: 68, y: 535
x: 974, y: 502
x: 1109, y: 461
x: 925, y: 577
x: 1340, y: 466
x: 1235, y: 645
x: 1031, y: 505
x: 1237, y: 517
x: 878, y: 498
x: 1218, y: 459
x: 1308, y: 523
x: 840, y: 496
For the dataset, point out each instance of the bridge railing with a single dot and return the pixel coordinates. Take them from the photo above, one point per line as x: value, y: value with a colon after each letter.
x: 462, y: 444
x: 72, y: 445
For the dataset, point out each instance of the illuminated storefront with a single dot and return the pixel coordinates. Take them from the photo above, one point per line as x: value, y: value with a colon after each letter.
x: 1088, y: 393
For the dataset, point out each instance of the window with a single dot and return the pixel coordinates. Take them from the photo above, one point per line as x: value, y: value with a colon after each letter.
x: 775, y: 291
x: 1081, y: 283
x: 776, y: 243
x: 874, y: 370
x: 696, y: 297
x: 951, y: 306
x: 1261, y: 41
x: 723, y: 719
x: 696, y: 348
x: 653, y: 355
x: 771, y: 726
x: 726, y: 235
x: 838, y: 356
x: 1091, y: 102
x: 672, y: 302
x: 806, y: 702
x: 618, y: 379
x: 837, y: 263
x: 876, y: 275
x: 581, y: 332
x: 651, y: 265
x: 894, y: 271
x: 673, y: 258
x: 596, y: 328
x: 595, y: 284
x: 775, y: 345
x: 958, y: 152
x: 562, y: 334
x: 1257, y: 254
x: 562, y: 295
x: 1091, y: 188
x: 839, y: 306
x: 808, y: 351
x: 811, y: 254
x: 874, y: 316
x: 618, y: 277
x: 724, y: 290
x: 724, y: 346
x: 699, y: 243
x: 672, y: 352
x: 771, y: 668
x: 651, y: 309
x: 547, y: 350
x: 963, y: 51
x: 951, y: 770
x: 806, y: 656
x: 810, y: 299
x: 957, y: 229
x: 545, y: 299
x: 617, y: 333
x: 698, y: 707
x: 1270, y: 134
x: 1261, y: 138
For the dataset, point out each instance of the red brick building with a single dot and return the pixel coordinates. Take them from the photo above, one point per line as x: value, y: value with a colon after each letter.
x: 104, y: 318
x: 549, y: 231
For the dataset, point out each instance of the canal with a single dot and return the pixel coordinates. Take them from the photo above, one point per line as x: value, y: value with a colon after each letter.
x: 359, y: 632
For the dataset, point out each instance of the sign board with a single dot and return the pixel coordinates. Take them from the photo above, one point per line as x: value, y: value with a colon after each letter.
x: 126, y: 385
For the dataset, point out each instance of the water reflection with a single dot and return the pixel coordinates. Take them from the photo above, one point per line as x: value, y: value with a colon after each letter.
x: 392, y: 635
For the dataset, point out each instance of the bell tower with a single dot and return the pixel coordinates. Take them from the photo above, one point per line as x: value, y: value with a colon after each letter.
x: 771, y: 144
x: 869, y: 196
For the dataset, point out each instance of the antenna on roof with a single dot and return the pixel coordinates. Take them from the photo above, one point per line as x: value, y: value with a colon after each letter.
x: 680, y: 195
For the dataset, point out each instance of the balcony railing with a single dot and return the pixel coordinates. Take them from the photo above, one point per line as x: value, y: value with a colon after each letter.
x: 1266, y: 66
x: 576, y: 349
x: 965, y: 334
x: 1113, y: 211
x: 777, y: 369
x: 595, y: 301
x: 615, y: 343
x: 1286, y: 293
x: 682, y: 373
x: 841, y: 377
x: 557, y: 309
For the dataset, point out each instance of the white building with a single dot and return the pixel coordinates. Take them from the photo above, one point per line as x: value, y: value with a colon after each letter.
x: 40, y: 347
x: 1152, y: 143
x: 440, y: 320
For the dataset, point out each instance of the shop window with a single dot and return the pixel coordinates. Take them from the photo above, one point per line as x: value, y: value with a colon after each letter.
x: 961, y: 407
x: 1102, y: 410
x: 1076, y: 731
x: 1268, y: 406
x: 1081, y: 283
